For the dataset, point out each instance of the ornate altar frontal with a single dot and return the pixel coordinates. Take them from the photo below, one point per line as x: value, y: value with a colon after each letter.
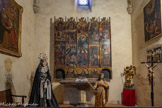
x: 82, y: 48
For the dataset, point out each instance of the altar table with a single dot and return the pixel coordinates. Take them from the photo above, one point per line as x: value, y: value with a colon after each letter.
x: 81, y: 86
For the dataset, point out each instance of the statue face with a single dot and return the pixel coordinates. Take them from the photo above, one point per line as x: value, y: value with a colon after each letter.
x: 102, y: 76
x: 44, y: 63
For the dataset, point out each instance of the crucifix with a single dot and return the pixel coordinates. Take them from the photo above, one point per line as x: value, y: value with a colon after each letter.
x: 151, y: 73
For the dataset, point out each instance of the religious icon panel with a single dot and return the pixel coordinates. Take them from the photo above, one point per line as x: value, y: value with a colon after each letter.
x: 82, y: 48
x: 94, y: 56
x: 71, y: 73
x: 71, y: 56
x: 71, y: 38
x: 93, y: 32
x: 105, y: 43
x: 60, y: 55
x: 82, y: 27
x: 105, y: 55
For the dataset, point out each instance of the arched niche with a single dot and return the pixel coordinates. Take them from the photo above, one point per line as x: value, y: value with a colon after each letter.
x: 60, y: 74
x: 107, y: 73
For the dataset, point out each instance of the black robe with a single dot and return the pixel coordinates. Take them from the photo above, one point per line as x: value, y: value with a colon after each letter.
x: 35, y: 93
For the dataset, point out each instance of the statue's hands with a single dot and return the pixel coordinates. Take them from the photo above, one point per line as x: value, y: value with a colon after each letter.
x: 104, y: 101
x: 44, y: 75
x: 41, y: 77
x: 105, y: 81
x: 95, y: 91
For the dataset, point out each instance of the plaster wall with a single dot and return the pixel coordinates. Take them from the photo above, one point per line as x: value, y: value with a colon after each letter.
x: 21, y: 68
x: 143, y: 89
x: 120, y: 35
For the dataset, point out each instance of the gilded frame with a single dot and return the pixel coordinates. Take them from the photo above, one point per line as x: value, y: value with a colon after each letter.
x: 12, y: 47
x: 83, y: 30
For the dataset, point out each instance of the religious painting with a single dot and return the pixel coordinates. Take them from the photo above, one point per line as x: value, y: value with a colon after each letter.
x: 71, y: 73
x: 71, y: 25
x: 60, y: 25
x: 60, y: 30
x: 71, y: 46
x: 94, y: 72
x: 82, y: 47
x: 71, y: 38
x: 152, y: 19
x: 10, y: 27
x: 105, y: 55
x: 60, y: 36
x: 60, y: 42
x: 60, y: 55
x: 82, y: 26
x: 93, y: 32
x: 82, y: 50
x: 94, y: 56
x: 105, y: 45
x: 82, y: 72
x: 157, y: 51
x: 71, y: 55
x: 104, y: 32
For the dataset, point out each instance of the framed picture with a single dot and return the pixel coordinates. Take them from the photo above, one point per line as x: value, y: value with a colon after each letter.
x: 10, y: 27
x: 157, y: 52
x: 152, y: 20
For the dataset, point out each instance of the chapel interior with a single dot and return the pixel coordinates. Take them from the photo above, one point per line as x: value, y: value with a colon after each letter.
x: 68, y: 33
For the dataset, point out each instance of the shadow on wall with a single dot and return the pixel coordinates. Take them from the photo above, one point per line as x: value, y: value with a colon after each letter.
x: 9, y: 75
x: 9, y: 86
x: 51, y: 59
x: 31, y: 80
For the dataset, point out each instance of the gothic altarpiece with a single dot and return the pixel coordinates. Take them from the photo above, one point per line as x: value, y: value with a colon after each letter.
x: 82, y: 48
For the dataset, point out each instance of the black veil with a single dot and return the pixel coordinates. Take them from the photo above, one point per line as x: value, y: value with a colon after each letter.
x: 35, y: 93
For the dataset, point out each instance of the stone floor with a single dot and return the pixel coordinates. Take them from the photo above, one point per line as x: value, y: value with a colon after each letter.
x: 108, y: 105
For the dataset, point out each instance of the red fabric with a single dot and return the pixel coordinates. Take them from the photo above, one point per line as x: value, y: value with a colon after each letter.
x: 129, y: 97
x: 13, y: 37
